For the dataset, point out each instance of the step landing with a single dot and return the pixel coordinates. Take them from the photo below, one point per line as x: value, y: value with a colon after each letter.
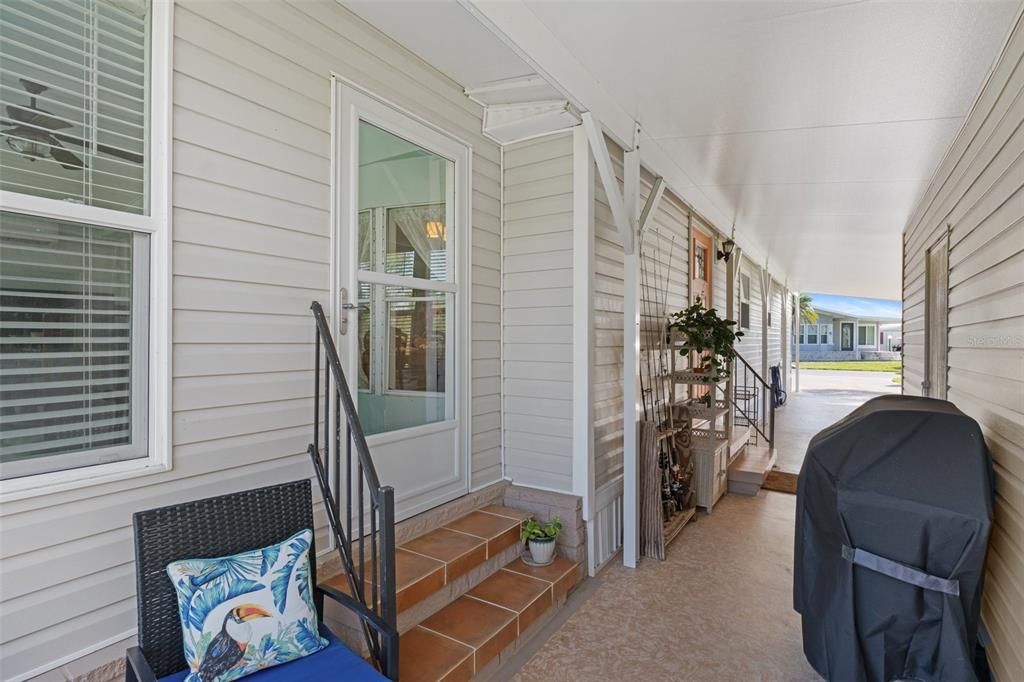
x: 750, y: 469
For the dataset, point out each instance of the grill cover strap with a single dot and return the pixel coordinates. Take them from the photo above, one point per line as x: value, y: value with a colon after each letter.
x: 901, y: 572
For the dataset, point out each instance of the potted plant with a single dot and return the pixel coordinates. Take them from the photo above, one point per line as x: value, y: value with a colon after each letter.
x: 540, y: 537
x: 703, y: 332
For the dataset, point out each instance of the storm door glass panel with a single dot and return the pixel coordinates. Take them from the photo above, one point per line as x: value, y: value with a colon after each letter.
x: 406, y: 287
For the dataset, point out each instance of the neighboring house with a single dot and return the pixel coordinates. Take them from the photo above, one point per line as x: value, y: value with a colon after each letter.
x: 850, y: 329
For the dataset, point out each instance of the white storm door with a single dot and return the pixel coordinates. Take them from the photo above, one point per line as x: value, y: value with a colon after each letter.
x: 401, y: 227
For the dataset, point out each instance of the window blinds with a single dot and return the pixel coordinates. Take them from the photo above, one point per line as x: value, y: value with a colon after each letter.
x: 73, y: 334
x: 73, y: 79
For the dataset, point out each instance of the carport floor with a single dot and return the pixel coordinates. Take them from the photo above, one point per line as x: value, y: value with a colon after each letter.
x: 718, y: 608
x: 826, y: 396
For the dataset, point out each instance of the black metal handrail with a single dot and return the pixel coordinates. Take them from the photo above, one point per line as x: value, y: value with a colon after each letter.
x: 752, y: 397
x: 371, y: 575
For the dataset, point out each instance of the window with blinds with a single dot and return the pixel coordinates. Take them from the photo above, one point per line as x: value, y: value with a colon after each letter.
x: 74, y: 296
x: 73, y: 332
x: 73, y: 82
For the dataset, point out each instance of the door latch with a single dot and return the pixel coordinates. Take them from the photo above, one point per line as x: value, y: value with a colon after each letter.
x: 345, y: 305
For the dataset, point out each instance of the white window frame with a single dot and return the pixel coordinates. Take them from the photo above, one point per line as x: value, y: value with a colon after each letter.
x: 824, y: 334
x: 744, y: 287
x: 157, y: 225
x: 811, y: 327
x: 874, y: 335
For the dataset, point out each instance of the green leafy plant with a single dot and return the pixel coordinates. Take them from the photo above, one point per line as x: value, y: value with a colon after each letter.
x: 807, y: 311
x: 702, y: 331
x: 532, y: 529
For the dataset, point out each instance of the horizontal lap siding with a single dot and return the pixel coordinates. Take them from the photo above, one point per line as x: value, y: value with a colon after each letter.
x: 664, y: 287
x: 251, y: 198
x: 606, y: 380
x: 775, y: 331
x: 537, y: 312
x: 978, y: 192
x: 749, y: 347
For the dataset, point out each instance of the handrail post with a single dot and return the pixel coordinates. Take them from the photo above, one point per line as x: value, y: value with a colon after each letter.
x: 389, y: 610
x: 382, y: 642
x: 771, y: 425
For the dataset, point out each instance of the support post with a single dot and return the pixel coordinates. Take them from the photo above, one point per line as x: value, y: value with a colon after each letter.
x: 796, y: 340
x: 631, y: 361
x: 766, y: 307
x: 583, y: 335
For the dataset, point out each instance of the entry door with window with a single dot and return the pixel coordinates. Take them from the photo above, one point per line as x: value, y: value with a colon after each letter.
x: 846, y: 335
x: 701, y: 268
x: 400, y: 231
x: 700, y: 282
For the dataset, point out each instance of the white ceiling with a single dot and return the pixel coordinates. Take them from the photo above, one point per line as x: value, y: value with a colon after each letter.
x: 815, y: 126
x: 445, y: 34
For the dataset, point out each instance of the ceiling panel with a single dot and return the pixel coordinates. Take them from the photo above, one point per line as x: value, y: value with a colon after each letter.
x: 444, y: 34
x: 871, y: 152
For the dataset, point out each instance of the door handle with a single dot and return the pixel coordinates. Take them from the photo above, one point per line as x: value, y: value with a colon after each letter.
x: 345, y: 305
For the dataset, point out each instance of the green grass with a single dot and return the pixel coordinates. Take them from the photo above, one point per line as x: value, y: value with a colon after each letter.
x: 856, y: 365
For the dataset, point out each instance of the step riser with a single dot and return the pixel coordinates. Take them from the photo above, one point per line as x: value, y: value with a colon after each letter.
x: 417, y: 613
x: 344, y: 623
x: 742, y: 488
x: 497, y: 664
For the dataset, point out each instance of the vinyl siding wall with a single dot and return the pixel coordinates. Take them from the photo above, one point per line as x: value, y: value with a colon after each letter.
x: 537, y: 313
x: 664, y: 278
x: 607, y: 334
x: 978, y: 195
x: 775, y: 331
x: 251, y: 194
x: 749, y: 347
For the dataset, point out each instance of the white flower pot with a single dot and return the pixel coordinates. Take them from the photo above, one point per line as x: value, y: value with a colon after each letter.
x: 542, y: 551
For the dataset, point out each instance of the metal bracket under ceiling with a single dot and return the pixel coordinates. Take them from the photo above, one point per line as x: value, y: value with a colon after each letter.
x: 517, y: 109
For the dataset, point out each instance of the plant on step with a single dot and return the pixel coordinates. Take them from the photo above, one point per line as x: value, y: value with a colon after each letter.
x: 702, y: 331
x: 540, y: 537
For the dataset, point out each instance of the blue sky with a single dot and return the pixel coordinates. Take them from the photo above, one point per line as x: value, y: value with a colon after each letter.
x: 864, y: 308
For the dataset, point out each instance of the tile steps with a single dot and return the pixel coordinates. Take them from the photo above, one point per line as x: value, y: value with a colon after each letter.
x: 427, y: 563
x: 461, y: 639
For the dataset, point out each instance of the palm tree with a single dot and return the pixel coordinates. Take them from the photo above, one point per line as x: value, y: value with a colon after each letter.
x: 807, y: 311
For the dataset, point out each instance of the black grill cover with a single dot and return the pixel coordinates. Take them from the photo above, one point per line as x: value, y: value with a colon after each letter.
x: 907, y: 480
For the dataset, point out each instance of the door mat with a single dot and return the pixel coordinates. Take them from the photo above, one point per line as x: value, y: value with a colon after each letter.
x: 780, y: 481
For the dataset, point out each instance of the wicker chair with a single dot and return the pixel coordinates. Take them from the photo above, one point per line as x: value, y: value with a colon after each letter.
x: 221, y: 526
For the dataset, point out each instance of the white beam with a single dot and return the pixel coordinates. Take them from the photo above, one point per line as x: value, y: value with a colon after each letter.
x: 631, y: 395
x: 651, y: 207
x: 796, y: 340
x: 605, y: 169
x: 583, y: 483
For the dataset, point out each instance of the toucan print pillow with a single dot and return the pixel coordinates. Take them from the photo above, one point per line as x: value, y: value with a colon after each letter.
x: 243, y: 613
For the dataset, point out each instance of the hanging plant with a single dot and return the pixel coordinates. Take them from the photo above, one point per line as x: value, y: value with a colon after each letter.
x: 702, y: 331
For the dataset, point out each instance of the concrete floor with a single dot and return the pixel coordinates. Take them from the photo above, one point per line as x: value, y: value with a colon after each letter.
x: 719, y: 608
x: 825, y: 397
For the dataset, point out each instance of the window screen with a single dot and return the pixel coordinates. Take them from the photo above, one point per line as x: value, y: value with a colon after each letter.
x: 73, y: 301
x: 73, y: 95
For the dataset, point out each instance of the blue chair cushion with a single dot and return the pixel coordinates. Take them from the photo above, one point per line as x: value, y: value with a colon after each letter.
x: 334, y: 662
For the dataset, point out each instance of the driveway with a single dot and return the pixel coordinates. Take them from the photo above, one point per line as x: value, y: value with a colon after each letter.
x: 825, y: 397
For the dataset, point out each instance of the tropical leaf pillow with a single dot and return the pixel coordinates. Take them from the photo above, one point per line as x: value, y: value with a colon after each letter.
x: 246, y: 612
